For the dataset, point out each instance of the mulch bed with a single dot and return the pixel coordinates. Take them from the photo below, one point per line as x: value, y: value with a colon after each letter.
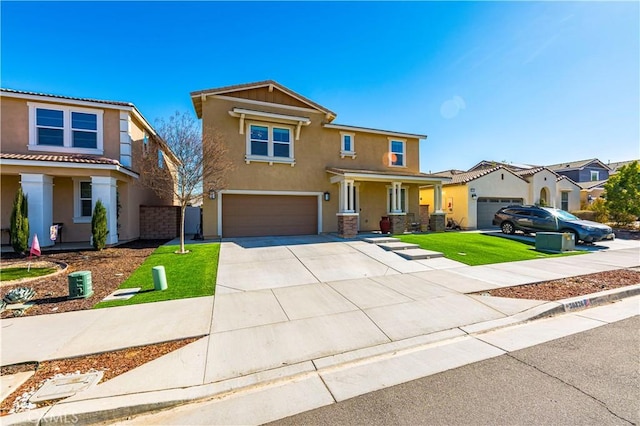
x: 571, y: 287
x: 112, y: 363
x: 109, y: 268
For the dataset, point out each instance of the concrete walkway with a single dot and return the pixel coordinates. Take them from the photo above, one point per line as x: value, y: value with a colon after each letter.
x: 291, y: 307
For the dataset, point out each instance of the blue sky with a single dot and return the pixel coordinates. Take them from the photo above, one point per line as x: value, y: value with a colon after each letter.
x: 522, y: 82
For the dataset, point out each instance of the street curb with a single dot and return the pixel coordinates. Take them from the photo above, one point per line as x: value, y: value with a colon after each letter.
x: 119, y: 407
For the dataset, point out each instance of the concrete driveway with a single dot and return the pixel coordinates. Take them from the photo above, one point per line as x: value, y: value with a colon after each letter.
x: 271, y: 262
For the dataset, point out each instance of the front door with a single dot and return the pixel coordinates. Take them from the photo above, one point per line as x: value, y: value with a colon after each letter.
x: 356, y: 201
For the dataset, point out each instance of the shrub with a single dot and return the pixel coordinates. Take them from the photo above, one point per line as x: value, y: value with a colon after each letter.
x: 19, y: 223
x: 99, y: 226
x: 622, y: 194
x: 584, y: 214
x: 599, y: 207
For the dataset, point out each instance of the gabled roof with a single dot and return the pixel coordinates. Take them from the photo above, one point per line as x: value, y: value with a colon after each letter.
x: 591, y: 184
x: 197, y: 96
x: 466, y: 177
x: 615, y: 166
x: 533, y: 171
x: 489, y: 164
x: 567, y: 178
x: 576, y: 165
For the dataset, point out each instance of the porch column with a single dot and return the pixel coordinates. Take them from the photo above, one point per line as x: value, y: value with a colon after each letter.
x: 436, y: 220
x: 103, y: 188
x: 437, y: 199
x: 39, y: 191
x: 347, y: 202
x: 396, y: 195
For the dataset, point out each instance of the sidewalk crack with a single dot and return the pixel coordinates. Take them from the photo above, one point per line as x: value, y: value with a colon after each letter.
x: 572, y: 386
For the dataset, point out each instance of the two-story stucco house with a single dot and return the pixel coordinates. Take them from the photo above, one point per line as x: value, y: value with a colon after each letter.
x: 298, y: 172
x: 69, y: 152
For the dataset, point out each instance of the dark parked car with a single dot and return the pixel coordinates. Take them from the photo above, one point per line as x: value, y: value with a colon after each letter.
x: 546, y: 219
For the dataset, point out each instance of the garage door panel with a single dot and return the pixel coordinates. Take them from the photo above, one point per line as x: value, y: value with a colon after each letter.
x: 265, y: 215
x: 487, y: 208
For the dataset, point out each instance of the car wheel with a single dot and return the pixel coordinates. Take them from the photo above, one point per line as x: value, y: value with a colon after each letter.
x: 508, y: 228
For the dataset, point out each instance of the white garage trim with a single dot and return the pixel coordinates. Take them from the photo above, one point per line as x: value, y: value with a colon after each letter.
x: 254, y: 192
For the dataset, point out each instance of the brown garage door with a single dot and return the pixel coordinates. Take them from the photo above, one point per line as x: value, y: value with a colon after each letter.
x: 264, y: 215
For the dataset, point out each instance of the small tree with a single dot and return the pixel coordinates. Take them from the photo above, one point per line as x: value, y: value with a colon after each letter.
x: 19, y: 223
x: 99, y: 226
x: 622, y: 194
x: 194, y: 161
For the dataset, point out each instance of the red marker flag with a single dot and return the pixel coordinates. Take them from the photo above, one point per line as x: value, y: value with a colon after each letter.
x: 35, y: 246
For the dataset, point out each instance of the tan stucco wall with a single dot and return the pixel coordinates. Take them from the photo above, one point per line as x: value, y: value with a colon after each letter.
x: 459, y: 210
x: 8, y: 188
x: 317, y: 149
x: 14, y: 125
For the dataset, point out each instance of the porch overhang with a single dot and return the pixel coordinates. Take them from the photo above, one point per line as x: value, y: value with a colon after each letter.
x: 363, y: 175
x: 56, y: 162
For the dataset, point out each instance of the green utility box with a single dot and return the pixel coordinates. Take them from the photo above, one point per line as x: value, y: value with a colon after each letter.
x: 555, y: 242
x: 80, y: 285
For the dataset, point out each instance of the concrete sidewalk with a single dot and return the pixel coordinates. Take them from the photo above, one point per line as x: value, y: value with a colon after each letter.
x: 290, y: 310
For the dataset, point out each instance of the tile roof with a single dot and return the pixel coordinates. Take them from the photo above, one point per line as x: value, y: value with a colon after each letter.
x: 591, y: 184
x: 570, y: 165
x: 71, y: 98
x: 61, y: 158
x: 380, y: 172
x: 465, y: 177
x: 615, y: 166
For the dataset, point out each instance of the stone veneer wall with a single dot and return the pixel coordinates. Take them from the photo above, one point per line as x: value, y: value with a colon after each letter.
x: 436, y: 222
x: 398, y: 223
x: 159, y: 222
x: 347, y: 226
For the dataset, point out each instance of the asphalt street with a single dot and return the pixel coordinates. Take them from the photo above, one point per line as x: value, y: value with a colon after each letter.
x: 591, y: 377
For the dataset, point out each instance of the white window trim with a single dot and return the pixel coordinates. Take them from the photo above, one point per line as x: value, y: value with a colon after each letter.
x: 67, y: 130
x: 77, y: 205
x: 269, y: 158
x: 595, y: 173
x: 406, y: 199
x: 404, y: 152
x: 344, y: 152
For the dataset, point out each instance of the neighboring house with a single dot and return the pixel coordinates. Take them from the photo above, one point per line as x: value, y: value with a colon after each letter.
x: 590, y: 175
x: 473, y: 197
x: 69, y: 152
x: 297, y: 172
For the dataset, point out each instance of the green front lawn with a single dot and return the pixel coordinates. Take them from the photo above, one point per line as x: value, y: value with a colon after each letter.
x: 188, y: 275
x: 477, y: 249
x: 9, y: 274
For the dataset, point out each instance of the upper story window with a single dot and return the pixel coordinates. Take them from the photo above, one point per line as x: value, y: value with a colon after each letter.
x: 160, y: 159
x: 347, y: 147
x: 397, y: 152
x: 595, y: 175
x: 271, y: 143
x: 65, y: 129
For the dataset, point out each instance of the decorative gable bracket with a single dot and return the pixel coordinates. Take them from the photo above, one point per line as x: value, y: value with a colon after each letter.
x: 243, y: 114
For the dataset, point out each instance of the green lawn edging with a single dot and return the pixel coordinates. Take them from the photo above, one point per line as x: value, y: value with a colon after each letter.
x: 188, y: 275
x: 474, y: 249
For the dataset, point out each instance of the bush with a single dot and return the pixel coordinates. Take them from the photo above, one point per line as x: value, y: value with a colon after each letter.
x: 584, y: 214
x: 99, y: 226
x: 19, y: 223
x: 622, y: 194
x: 599, y: 207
